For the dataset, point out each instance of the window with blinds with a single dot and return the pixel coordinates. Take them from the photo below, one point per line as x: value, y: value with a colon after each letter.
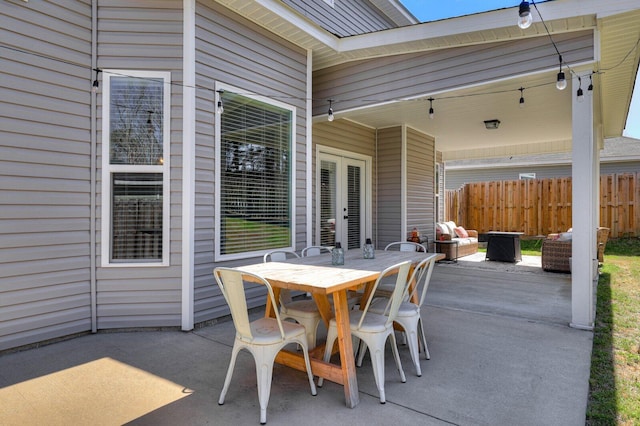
x: 135, y: 202
x: 255, y: 190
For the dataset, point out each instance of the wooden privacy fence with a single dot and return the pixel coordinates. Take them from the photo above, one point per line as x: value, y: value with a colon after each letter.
x: 543, y: 206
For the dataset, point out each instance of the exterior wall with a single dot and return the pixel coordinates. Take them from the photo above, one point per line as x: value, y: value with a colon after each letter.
x: 232, y: 50
x: 45, y: 148
x: 351, y: 137
x: 389, y: 164
x: 346, y: 18
x: 373, y: 81
x: 458, y: 177
x: 142, y: 35
x: 420, y: 183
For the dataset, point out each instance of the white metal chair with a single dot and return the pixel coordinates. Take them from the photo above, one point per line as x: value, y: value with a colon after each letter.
x: 374, y: 329
x: 263, y: 338
x: 315, y: 251
x: 409, y: 317
x: 405, y: 246
x: 386, y: 287
x: 304, y: 312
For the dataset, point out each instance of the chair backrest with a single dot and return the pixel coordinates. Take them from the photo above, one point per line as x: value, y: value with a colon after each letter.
x: 405, y: 246
x: 279, y: 255
x: 231, y: 283
x: 315, y: 251
x: 422, y: 277
x: 402, y: 270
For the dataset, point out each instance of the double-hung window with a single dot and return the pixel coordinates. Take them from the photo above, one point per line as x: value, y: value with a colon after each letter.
x: 254, y: 179
x: 135, y: 168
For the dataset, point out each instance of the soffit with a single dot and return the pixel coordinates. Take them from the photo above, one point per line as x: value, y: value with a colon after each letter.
x: 545, y: 126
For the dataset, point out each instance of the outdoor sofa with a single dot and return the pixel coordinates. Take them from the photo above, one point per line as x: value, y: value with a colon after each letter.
x: 467, y: 240
x: 556, y: 250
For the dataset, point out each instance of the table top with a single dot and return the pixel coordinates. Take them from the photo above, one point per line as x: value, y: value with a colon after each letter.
x: 505, y: 233
x: 316, y: 274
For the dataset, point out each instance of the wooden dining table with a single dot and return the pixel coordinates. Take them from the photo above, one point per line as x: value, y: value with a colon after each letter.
x: 316, y: 275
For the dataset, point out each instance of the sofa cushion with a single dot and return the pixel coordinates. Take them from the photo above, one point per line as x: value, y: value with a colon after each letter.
x: 451, y: 226
x: 461, y: 232
x: 442, y: 229
x: 466, y: 241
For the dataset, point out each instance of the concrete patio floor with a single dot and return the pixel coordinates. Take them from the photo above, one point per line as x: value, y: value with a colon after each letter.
x: 501, y: 354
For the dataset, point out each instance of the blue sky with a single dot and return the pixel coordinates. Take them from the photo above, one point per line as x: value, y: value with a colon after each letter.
x: 433, y: 10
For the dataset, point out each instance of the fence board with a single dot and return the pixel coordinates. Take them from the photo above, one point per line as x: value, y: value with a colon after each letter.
x: 543, y: 206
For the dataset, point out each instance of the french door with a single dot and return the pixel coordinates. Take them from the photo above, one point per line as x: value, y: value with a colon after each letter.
x: 343, y: 213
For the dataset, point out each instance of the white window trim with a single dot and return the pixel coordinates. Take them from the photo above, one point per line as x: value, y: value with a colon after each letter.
x: 218, y: 149
x: 108, y: 169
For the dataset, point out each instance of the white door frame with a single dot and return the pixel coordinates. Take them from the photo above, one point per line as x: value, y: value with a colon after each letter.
x: 367, y: 193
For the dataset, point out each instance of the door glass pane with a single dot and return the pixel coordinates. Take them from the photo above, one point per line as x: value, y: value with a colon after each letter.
x: 354, y: 206
x: 327, y: 203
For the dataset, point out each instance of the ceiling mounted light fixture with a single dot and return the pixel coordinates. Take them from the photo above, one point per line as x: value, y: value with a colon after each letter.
x: 492, y: 124
x: 524, y: 15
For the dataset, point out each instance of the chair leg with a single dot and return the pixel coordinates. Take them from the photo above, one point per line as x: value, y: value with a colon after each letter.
x: 396, y: 355
x: 227, y: 380
x: 332, y: 335
x: 307, y: 363
x: 264, y: 375
x: 410, y: 327
x: 424, y: 339
x: 377, y: 364
x: 362, y: 350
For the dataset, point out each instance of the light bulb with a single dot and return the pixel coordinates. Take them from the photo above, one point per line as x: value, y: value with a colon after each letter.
x: 330, y: 116
x: 220, y: 108
x: 561, y: 84
x: 431, y: 113
x: 521, y: 102
x: 580, y: 95
x: 524, y: 15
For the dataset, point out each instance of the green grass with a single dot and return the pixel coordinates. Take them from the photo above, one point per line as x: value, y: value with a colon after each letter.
x: 614, y: 384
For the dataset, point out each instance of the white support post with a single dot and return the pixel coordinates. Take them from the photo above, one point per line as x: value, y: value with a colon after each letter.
x: 585, y: 196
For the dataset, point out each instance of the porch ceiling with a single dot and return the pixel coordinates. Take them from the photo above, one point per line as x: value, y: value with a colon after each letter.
x: 544, y: 125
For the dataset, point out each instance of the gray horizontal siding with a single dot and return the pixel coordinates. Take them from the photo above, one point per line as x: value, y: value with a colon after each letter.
x: 44, y: 170
x: 361, y: 83
x: 142, y: 35
x: 420, y: 183
x: 346, y: 18
x: 389, y: 178
x: 232, y: 50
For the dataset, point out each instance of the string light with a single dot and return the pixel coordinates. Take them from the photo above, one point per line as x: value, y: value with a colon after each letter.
x: 521, y: 97
x: 580, y: 93
x: 561, y: 82
x: 219, y: 106
x: 524, y: 15
x: 431, y: 112
x: 96, y: 83
x: 330, y: 116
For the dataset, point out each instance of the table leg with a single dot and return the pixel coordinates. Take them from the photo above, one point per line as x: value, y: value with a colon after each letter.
x: 347, y: 359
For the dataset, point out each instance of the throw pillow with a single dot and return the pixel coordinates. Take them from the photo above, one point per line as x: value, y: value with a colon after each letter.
x: 461, y: 232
